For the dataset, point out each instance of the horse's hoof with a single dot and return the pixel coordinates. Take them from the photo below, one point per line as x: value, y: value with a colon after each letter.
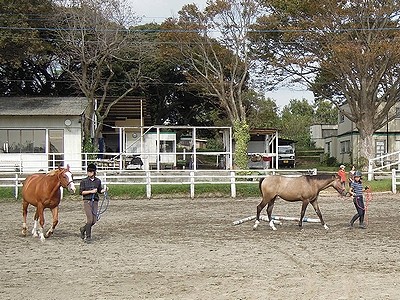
x: 256, y: 224
x: 326, y: 227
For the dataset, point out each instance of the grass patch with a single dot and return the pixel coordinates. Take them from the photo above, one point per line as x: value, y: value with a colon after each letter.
x: 382, y: 185
x: 8, y: 193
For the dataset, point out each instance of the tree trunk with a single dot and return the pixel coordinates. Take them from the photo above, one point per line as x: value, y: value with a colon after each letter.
x: 366, y: 144
x: 241, y: 134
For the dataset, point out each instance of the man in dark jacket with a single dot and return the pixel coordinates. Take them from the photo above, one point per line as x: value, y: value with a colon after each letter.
x: 89, y: 188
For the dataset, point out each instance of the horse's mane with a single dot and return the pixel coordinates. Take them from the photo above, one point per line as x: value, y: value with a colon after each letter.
x: 53, y: 172
x: 319, y: 176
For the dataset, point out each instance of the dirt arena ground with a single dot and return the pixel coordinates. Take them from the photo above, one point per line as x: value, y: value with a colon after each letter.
x: 189, y: 249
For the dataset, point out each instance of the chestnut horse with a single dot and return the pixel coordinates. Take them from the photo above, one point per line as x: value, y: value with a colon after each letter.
x: 304, y: 188
x: 43, y: 191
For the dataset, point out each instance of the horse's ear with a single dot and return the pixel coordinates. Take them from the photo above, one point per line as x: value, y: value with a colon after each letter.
x: 67, y: 167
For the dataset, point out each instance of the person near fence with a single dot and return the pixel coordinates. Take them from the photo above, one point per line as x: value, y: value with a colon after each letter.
x: 342, y: 175
x: 89, y: 188
x: 356, y: 191
x: 351, y: 175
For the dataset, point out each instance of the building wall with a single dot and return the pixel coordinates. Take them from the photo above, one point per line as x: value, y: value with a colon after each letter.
x: 33, y: 162
x: 345, y: 146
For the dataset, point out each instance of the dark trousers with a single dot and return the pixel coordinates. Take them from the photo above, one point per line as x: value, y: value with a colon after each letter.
x: 90, y: 208
x: 359, y: 204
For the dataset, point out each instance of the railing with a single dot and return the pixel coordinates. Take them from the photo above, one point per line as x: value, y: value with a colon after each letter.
x: 37, y: 162
x: 386, y: 161
x: 149, y: 178
x: 395, y: 180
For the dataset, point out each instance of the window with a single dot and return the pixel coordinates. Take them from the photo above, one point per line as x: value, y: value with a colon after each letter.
x: 341, y: 118
x: 397, y: 112
x: 380, y: 147
x: 56, y: 141
x: 23, y: 140
x: 345, y: 147
x: 166, y: 146
x: 328, y: 148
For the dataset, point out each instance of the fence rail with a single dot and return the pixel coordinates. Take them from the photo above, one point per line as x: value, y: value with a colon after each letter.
x: 150, y: 178
x: 384, y: 162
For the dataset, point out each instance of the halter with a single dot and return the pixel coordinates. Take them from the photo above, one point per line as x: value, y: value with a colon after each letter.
x: 69, y: 182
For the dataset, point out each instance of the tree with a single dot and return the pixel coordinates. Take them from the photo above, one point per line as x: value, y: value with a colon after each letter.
x: 170, y: 98
x: 325, y: 112
x: 215, y: 47
x: 26, y: 48
x: 297, y: 117
x: 93, y: 43
x: 261, y: 113
x: 346, y: 51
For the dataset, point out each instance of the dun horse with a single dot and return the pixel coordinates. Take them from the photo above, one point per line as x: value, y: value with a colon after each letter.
x: 43, y: 191
x: 302, y: 188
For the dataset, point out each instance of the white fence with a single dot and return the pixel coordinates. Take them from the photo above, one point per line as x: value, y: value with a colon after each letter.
x: 383, y: 162
x: 395, y: 180
x: 150, y: 178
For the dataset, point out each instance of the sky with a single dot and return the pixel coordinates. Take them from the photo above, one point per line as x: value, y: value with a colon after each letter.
x: 158, y: 10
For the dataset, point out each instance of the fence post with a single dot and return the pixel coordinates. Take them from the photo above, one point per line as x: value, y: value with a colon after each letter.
x: 105, y: 180
x: 370, y: 171
x: 394, y: 181
x: 148, y: 185
x: 192, y: 185
x: 233, y: 185
x: 16, y: 186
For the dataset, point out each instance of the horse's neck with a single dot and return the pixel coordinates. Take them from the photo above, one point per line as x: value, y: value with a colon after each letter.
x: 324, y: 184
x: 54, y: 183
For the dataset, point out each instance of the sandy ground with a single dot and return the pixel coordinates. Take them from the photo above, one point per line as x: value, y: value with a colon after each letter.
x: 189, y: 249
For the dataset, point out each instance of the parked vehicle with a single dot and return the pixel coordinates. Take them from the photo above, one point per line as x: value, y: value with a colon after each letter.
x: 286, y: 156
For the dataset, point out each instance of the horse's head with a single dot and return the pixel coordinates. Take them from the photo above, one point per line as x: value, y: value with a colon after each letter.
x: 66, y: 179
x: 337, y: 185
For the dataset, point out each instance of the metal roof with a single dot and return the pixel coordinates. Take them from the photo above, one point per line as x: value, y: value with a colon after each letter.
x: 42, y: 106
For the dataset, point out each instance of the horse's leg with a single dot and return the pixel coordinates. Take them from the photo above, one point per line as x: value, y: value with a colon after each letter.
x: 40, y: 212
x: 54, y: 212
x: 319, y: 214
x: 303, y: 212
x: 24, y: 214
x: 35, y: 224
x: 260, y: 207
x: 269, y: 213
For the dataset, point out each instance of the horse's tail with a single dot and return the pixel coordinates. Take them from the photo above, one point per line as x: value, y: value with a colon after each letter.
x: 259, y: 183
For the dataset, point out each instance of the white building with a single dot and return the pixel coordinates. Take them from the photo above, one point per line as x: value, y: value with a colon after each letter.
x: 344, y: 144
x: 42, y: 132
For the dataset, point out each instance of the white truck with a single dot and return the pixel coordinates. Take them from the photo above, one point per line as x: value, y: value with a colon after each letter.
x: 286, y: 156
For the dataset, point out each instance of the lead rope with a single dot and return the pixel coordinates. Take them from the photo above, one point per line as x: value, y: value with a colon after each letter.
x: 100, y: 209
x: 368, y: 198
x: 106, y: 201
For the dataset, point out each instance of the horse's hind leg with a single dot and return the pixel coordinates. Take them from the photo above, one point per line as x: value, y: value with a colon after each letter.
x: 40, y: 214
x: 54, y: 212
x: 35, y: 224
x: 319, y: 214
x: 24, y: 214
x: 260, y: 207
